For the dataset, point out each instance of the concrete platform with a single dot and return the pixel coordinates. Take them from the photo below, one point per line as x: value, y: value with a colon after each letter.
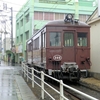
x: 91, y: 82
x: 12, y: 85
x: 24, y: 90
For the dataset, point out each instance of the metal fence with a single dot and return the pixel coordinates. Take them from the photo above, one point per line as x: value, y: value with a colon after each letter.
x: 27, y: 73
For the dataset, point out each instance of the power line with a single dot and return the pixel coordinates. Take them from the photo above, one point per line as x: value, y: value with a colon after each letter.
x: 11, y: 3
x: 52, y: 9
x: 43, y: 11
x: 26, y: 1
x: 27, y: 6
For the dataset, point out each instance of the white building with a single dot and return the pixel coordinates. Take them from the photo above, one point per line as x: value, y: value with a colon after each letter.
x: 94, y: 22
x: 6, y: 48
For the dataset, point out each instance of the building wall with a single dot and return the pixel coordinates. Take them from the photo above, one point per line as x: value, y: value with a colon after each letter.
x: 0, y: 42
x: 95, y: 46
x: 39, y: 14
x: 23, y: 29
x: 8, y: 44
x: 94, y: 22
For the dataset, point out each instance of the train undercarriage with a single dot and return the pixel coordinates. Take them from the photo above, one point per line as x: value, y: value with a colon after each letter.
x: 68, y: 71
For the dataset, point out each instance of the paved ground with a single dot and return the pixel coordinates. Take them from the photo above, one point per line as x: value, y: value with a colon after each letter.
x: 91, y: 82
x: 12, y: 85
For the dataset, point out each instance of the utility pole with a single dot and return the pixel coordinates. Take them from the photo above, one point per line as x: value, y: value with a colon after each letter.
x: 11, y: 27
x: 76, y: 9
x: 5, y: 36
x: 0, y: 41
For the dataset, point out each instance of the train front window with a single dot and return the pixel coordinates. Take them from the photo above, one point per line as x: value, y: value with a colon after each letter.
x: 55, y: 39
x: 82, y: 39
x: 68, y: 39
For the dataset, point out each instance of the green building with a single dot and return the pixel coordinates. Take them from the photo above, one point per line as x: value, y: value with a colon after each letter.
x: 36, y: 13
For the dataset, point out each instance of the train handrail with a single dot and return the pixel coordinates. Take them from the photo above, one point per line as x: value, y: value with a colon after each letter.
x: 25, y: 71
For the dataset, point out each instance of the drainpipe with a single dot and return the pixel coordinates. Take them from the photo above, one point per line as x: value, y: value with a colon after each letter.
x: 76, y: 10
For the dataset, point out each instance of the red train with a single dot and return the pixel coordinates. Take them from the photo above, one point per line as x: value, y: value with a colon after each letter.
x: 61, y: 48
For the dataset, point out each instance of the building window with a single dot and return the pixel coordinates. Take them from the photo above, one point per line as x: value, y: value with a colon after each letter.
x: 17, y: 39
x: 83, y: 17
x: 52, y: 1
x: 59, y: 16
x: 27, y: 35
x: 48, y: 16
x: 68, y: 39
x: 82, y: 39
x: 21, y: 22
x: 55, y: 39
x: 21, y: 37
x: 17, y: 25
x: 27, y: 18
x: 38, y: 15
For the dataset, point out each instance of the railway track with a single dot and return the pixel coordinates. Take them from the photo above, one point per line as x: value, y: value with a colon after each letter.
x: 71, y: 95
x: 67, y: 92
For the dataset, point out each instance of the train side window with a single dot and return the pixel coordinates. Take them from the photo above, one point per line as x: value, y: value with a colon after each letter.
x: 36, y: 44
x: 55, y: 39
x: 27, y: 47
x: 68, y: 39
x: 44, y: 39
x: 82, y: 39
x: 33, y: 44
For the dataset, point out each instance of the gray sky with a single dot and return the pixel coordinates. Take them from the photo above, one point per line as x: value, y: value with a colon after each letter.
x: 16, y: 5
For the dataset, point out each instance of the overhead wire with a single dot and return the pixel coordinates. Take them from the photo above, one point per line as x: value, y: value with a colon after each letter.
x: 52, y: 9
x: 11, y: 2
x: 17, y: 4
x: 27, y: 6
x: 38, y: 24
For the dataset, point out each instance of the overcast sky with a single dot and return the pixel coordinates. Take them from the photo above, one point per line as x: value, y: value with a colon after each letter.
x: 16, y: 5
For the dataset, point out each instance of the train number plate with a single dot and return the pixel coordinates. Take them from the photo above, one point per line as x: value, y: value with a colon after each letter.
x: 57, y: 57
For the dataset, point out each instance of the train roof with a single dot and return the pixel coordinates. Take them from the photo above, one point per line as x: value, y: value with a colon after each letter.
x: 63, y: 23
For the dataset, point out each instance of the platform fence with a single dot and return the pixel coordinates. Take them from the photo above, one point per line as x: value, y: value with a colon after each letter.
x: 29, y: 73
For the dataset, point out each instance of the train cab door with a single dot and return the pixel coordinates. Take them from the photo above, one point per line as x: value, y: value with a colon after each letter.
x: 68, y: 46
x: 83, y: 50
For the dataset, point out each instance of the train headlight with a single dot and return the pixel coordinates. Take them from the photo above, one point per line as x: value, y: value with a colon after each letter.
x: 68, y: 17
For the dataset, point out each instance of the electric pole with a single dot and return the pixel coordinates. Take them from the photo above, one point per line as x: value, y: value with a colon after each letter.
x: 11, y: 27
x: 5, y: 35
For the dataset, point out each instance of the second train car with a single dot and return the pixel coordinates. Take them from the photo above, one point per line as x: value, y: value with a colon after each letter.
x: 61, y: 48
